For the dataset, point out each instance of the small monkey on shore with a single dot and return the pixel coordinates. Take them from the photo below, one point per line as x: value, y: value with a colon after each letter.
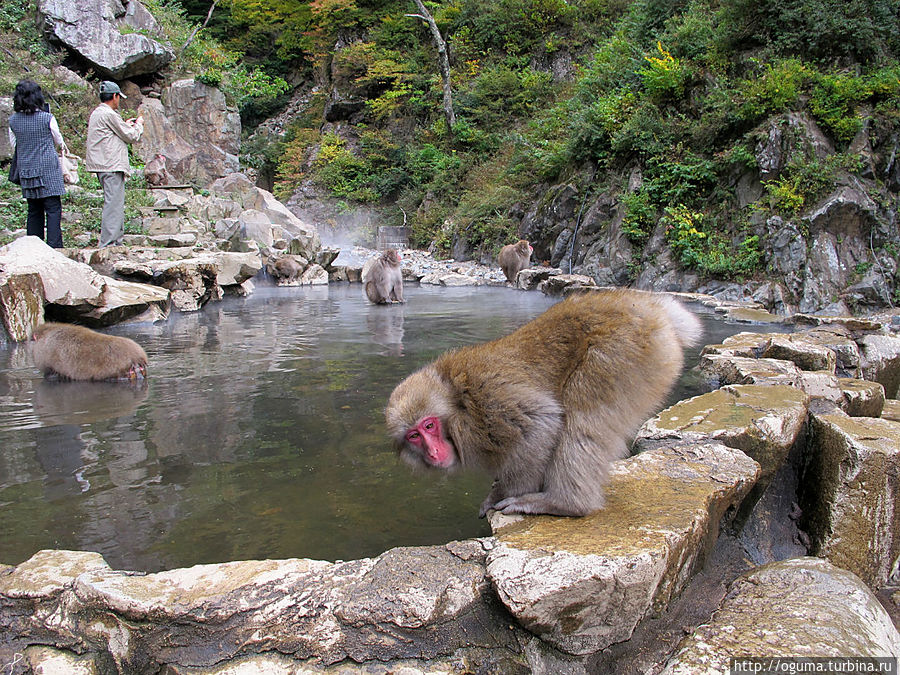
x: 547, y: 408
x: 74, y: 352
x: 514, y: 258
x: 383, y: 279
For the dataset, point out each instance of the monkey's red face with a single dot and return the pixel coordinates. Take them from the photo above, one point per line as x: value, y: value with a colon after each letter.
x: 428, y: 438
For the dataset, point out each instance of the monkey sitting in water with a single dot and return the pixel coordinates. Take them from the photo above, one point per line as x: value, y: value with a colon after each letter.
x: 547, y: 408
x: 383, y: 279
x: 74, y: 352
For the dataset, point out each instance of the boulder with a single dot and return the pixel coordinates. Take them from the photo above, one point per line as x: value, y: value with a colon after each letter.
x: 838, y: 339
x: 561, y: 284
x: 237, y: 188
x: 127, y: 301
x: 6, y: 109
x: 762, y: 421
x: 111, y: 37
x: 805, y: 607
x: 880, y: 361
x: 861, y: 397
x: 21, y: 304
x: 192, y: 282
x: 194, y: 131
x: 257, y: 226
x: 448, y: 279
x: 530, y: 278
x: 415, y: 603
x: 234, y: 268
x: 849, y: 493
x: 66, y: 283
x: 806, y: 354
x: 172, y: 240
x: 718, y: 370
x: 582, y: 584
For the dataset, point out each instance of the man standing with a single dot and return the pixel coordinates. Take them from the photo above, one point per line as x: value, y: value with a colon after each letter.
x: 108, y: 137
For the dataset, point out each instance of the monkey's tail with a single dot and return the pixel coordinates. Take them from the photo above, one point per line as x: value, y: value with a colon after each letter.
x: 686, y: 324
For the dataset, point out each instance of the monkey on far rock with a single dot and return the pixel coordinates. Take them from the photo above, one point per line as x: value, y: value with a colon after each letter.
x: 74, y: 352
x: 383, y: 279
x: 514, y: 258
x: 284, y: 269
x: 547, y: 408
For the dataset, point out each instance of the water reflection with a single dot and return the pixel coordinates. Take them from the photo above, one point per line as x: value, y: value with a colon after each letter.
x: 259, y: 433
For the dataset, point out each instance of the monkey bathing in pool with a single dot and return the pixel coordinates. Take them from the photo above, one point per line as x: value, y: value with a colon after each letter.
x: 69, y: 352
x: 546, y: 409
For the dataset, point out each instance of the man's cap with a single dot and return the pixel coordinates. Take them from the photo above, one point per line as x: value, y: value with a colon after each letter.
x: 107, y: 87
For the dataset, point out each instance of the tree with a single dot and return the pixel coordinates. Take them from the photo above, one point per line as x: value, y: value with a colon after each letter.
x: 443, y: 59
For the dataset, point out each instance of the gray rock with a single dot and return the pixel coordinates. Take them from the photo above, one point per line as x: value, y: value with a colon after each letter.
x: 880, y: 361
x: 6, y: 109
x: 799, y: 607
x: 862, y: 398
x: 127, y: 301
x: 418, y: 603
x: 192, y: 282
x: 582, y: 584
x: 529, y: 279
x: 849, y: 493
x: 96, y: 32
x: 560, y: 284
x: 193, y: 130
x: 720, y: 370
x: 66, y: 282
x: 21, y: 304
x: 808, y: 355
x: 763, y: 421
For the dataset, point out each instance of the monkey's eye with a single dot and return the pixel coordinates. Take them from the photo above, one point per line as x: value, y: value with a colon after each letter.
x: 429, y: 425
x: 413, y: 436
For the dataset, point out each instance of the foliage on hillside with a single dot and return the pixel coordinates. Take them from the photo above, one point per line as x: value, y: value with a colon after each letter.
x: 677, y: 87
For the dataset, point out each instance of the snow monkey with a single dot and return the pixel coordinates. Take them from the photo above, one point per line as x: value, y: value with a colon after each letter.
x: 77, y: 353
x: 284, y: 268
x: 514, y: 258
x: 548, y: 407
x: 383, y: 279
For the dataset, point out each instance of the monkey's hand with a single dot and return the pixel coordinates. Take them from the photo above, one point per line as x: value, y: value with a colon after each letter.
x: 536, y: 503
x: 494, y: 496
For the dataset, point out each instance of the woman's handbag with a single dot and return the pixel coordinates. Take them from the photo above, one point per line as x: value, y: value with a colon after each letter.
x: 68, y: 164
x: 14, y: 169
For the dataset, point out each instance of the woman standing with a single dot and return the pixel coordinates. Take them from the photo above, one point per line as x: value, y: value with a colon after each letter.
x: 34, y: 133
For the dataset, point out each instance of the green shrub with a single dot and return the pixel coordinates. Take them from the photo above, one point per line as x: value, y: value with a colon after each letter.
x: 688, y: 180
x: 805, y: 180
x: 775, y: 90
x: 698, y: 244
x: 818, y: 30
x: 664, y: 77
x: 833, y: 102
x: 640, y: 216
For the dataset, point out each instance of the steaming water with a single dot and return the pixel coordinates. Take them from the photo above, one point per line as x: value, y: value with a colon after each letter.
x: 259, y: 433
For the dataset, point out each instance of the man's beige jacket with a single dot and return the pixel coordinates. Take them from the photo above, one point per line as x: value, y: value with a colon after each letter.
x: 107, y: 140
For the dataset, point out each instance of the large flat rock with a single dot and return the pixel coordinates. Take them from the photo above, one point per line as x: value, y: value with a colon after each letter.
x: 582, y: 584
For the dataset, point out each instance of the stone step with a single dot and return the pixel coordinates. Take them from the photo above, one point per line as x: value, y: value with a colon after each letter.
x: 582, y: 584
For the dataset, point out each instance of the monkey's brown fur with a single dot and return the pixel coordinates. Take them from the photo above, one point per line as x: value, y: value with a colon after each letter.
x: 384, y: 279
x: 547, y: 408
x: 285, y: 267
x: 78, y: 353
x: 514, y: 258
